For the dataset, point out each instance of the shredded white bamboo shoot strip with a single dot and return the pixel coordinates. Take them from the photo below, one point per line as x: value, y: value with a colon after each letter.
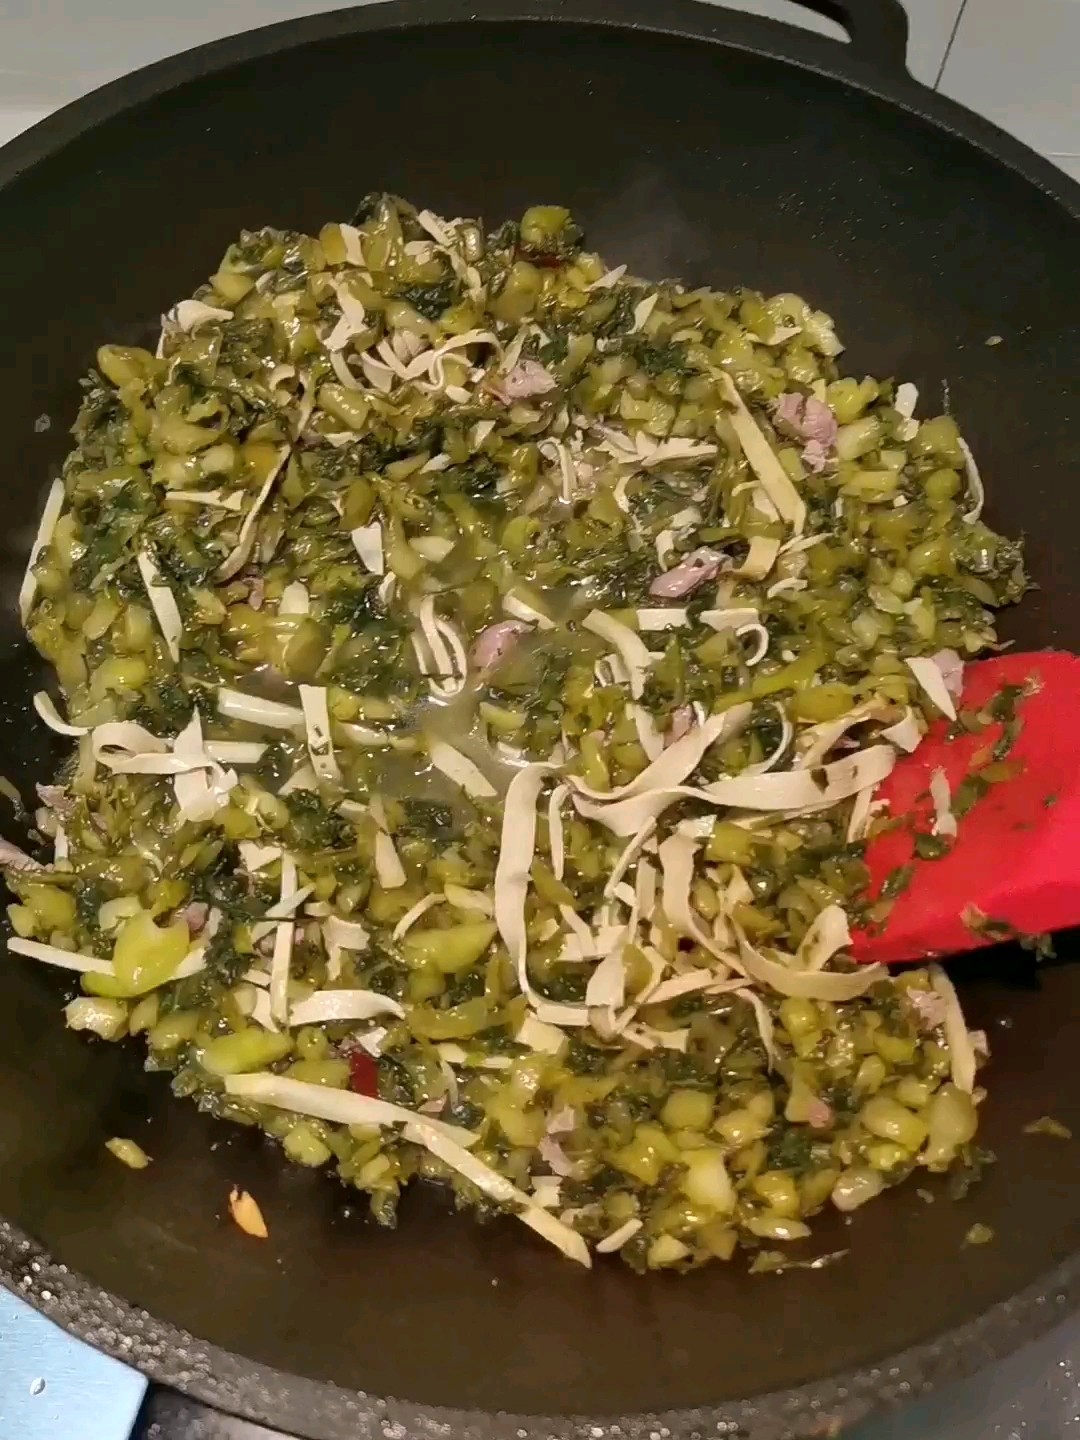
x: 762, y: 458
x: 317, y: 723
x: 928, y: 673
x: 238, y: 556
x: 368, y: 543
x: 792, y: 791
x: 512, y: 876
x: 336, y: 1005
x: 270, y: 714
x: 446, y: 1142
x: 54, y: 504
x: 460, y: 769
x: 283, y: 944
x: 632, y: 652
x: 162, y: 602
x: 957, y: 1037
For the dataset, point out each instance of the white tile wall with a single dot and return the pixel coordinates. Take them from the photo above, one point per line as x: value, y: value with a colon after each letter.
x: 1018, y: 62
x: 932, y: 23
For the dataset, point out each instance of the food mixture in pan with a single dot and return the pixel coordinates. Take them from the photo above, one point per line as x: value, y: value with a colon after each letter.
x: 479, y: 664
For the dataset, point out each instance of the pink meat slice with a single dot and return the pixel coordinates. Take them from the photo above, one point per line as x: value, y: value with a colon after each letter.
x: 494, y: 644
x: 684, y: 578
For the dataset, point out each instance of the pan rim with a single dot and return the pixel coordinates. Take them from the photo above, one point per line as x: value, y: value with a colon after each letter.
x: 682, y: 19
x: 320, y: 1410
x: 169, y: 1355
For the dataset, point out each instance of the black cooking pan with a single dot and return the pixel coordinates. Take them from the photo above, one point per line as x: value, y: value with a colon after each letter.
x: 691, y: 142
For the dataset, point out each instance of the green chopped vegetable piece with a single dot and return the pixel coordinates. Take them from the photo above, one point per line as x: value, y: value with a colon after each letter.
x: 449, y: 950
x: 128, y: 1152
x: 1047, y: 1125
x: 145, y: 956
x: 979, y: 1235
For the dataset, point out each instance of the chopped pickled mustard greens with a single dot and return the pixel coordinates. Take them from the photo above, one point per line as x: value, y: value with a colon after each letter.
x: 478, y: 664
x: 128, y: 1152
x: 1047, y: 1125
x: 979, y: 1235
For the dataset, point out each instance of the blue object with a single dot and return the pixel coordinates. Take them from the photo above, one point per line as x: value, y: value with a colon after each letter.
x: 53, y: 1387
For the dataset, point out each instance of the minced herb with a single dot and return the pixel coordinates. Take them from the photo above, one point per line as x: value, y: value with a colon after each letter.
x: 897, y: 881
x: 931, y: 847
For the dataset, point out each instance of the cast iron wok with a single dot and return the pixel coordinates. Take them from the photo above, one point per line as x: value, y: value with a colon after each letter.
x: 691, y: 143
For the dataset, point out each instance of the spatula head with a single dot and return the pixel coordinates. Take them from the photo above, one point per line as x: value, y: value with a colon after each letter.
x: 1016, y: 860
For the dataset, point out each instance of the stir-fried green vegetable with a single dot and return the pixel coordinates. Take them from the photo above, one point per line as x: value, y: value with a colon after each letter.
x: 480, y: 664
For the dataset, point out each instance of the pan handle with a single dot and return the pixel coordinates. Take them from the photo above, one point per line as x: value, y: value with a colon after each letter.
x: 878, y: 29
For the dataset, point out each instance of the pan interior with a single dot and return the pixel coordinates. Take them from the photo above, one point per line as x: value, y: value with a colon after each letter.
x: 680, y: 159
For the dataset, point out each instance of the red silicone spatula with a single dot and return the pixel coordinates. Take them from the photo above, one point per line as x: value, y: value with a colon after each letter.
x: 1016, y: 858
